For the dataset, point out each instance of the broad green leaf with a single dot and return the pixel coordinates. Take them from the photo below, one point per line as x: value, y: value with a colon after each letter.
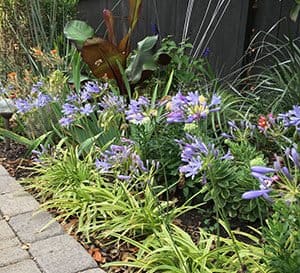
x: 79, y: 31
x: 142, y: 60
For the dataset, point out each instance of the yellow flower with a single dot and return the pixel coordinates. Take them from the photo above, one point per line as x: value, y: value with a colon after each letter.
x: 202, y: 99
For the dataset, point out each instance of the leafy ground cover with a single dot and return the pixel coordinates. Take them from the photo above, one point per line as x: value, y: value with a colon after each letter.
x: 153, y: 162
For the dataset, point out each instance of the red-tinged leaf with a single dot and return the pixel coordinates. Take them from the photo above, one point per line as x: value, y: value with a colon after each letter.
x: 109, y: 22
x: 124, y: 45
x: 103, y: 57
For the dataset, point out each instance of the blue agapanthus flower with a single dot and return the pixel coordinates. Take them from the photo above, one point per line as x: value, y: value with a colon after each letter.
x: 137, y: 112
x: 23, y: 106
x: 66, y: 121
x: 191, y: 107
x: 69, y: 109
x: 111, y: 101
x: 291, y: 118
x: 42, y: 100
x: 261, y: 173
x: 195, y: 153
x: 121, y: 159
x: 87, y: 109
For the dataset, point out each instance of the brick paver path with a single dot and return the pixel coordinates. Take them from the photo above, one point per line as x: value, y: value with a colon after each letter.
x: 26, y: 246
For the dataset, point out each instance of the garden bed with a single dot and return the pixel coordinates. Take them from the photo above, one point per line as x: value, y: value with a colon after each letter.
x: 151, y: 160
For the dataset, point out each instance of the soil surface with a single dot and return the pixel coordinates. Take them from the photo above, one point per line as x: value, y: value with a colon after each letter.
x: 15, y: 160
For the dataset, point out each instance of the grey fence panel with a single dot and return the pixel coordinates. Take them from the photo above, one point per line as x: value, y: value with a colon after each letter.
x: 228, y: 42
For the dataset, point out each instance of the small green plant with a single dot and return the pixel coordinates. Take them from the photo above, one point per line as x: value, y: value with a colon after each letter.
x: 282, y: 238
x: 188, y: 71
x: 60, y: 172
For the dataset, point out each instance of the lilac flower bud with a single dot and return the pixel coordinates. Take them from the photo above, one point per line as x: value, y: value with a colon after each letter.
x: 295, y: 157
x: 286, y: 173
x: 260, y: 177
x: 123, y: 177
x: 256, y: 193
x: 262, y: 169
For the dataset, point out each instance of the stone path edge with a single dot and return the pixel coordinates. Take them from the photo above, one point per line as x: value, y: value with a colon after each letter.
x: 27, y: 248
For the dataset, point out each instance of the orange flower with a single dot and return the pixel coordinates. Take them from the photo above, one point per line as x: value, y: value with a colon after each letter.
x: 12, y: 76
x: 37, y: 51
x: 12, y: 96
x: 53, y: 52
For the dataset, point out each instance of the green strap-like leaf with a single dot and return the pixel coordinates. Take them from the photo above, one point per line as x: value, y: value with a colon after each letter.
x: 17, y: 138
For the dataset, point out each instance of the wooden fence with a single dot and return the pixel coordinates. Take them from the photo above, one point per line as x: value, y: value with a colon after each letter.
x: 241, y: 21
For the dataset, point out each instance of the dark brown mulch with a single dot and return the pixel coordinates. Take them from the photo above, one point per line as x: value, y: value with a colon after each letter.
x: 14, y: 159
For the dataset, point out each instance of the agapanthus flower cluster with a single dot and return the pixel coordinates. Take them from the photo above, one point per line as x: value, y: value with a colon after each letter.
x: 196, y: 155
x: 81, y: 104
x: 36, y: 100
x: 139, y: 111
x: 191, y: 107
x: 240, y: 130
x: 121, y: 160
x: 292, y: 156
x: 291, y: 118
x: 111, y: 101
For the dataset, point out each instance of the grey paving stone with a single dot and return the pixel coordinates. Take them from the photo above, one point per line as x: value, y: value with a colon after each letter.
x: 61, y: 254
x: 95, y: 270
x: 3, y: 171
x: 29, y: 226
x: 8, y: 184
x: 7, y: 243
x: 15, y: 203
x: 5, y: 231
x: 12, y: 255
x: 27, y: 266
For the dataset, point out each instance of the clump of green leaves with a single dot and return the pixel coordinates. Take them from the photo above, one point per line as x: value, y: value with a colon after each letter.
x: 282, y: 238
x: 173, y: 250
x: 188, y: 71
